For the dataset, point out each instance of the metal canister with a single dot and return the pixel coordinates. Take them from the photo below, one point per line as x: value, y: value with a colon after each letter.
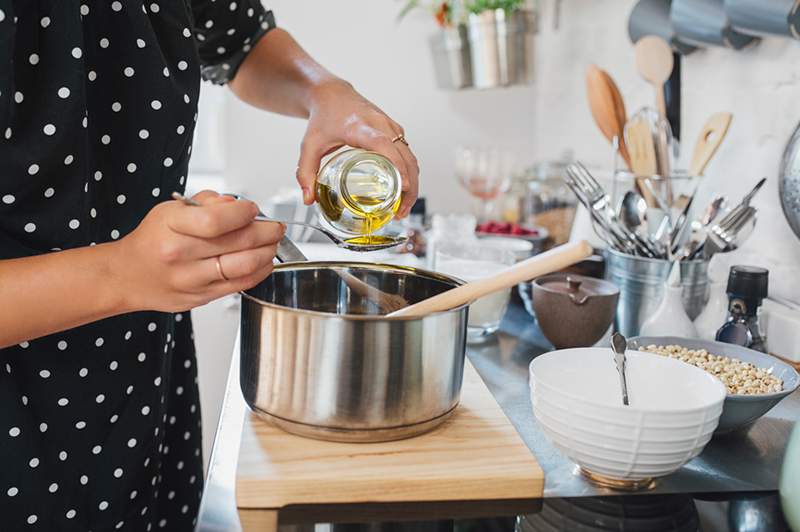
x: 641, y: 286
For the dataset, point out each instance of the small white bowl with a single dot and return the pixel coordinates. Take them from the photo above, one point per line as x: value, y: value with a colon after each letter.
x: 674, y: 409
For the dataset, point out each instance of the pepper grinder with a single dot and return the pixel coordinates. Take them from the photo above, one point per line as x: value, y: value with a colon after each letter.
x: 747, y: 288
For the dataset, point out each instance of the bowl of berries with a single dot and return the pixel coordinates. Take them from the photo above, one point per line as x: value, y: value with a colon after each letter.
x: 536, y: 237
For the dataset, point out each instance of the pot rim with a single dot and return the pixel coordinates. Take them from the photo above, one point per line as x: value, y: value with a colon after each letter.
x: 307, y: 265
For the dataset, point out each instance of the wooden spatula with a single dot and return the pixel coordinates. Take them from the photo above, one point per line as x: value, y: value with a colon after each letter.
x: 711, y: 136
x: 607, y: 107
x: 547, y: 262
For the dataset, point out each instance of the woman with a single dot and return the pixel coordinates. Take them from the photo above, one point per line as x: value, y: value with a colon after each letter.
x: 100, y: 427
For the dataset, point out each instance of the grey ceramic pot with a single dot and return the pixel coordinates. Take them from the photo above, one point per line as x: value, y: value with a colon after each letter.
x: 572, y: 310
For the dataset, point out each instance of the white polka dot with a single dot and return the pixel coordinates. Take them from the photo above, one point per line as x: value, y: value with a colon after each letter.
x: 165, y: 72
x: 179, y: 390
x: 129, y: 389
x: 232, y: 6
x: 80, y: 425
x: 145, y: 410
x: 97, y: 449
x: 230, y: 32
x: 84, y: 10
x: 49, y: 129
x: 133, y: 495
x: 183, y: 65
x: 68, y: 160
x: 62, y: 345
x: 105, y: 139
x: 62, y: 455
x: 98, y: 175
x: 14, y: 432
x: 63, y: 401
x: 53, y: 488
x: 220, y: 49
x: 114, y: 234
x: 45, y: 22
x: 178, y: 317
x: 154, y: 7
x: 30, y: 227
x: 24, y: 345
x: 209, y: 24
x: 128, y: 335
x: 84, y: 479
x: 184, y: 508
x: 103, y: 43
x: 8, y: 199
x: 186, y: 98
x: 187, y: 33
x: 155, y: 192
x: 141, y: 357
x: 100, y: 398
x: 2, y: 15
x: 131, y: 167
x: 83, y: 372
x: 33, y: 169
x: 74, y: 224
x: 113, y: 419
x: 143, y: 134
x: 70, y: 514
x: 19, y: 97
x: 140, y: 43
x: 93, y: 212
x: 118, y: 472
x: 168, y: 162
x: 129, y: 72
x: 180, y: 130
x: 33, y: 59
x: 116, y: 107
x: 132, y: 443
x: 92, y: 75
x: 121, y: 199
x: 77, y: 53
x: 8, y: 133
x: 85, y: 122
x: 12, y: 491
x: 157, y: 381
x: 42, y: 427
x: 32, y: 519
x: 113, y: 365
x: 116, y: 6
x: 25, y: 400
x: 250, y: 12
x: 33, y: 462
x: 63, y: 92
x: 103, y: 505
x: 44, y: 373
x: 151, y: 326
x: 171, y: 495
x: 155, y: 104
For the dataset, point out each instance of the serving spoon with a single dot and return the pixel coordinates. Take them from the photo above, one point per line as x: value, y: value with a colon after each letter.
x: 619, y: 344
x: 389, y: 242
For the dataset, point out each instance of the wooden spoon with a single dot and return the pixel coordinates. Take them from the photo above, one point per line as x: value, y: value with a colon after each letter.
x: 655, y: 62
x: 608, y: 107
x: 547, y: 262
x: 711, y: 136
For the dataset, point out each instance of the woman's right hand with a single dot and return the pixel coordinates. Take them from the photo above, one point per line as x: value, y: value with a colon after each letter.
x: 169, y: 262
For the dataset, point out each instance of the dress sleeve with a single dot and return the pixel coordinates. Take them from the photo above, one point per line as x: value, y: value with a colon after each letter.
x: 225, y: 31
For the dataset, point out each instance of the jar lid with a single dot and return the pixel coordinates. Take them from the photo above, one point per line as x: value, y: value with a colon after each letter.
x: 577, y: 287
x: 749, y: 283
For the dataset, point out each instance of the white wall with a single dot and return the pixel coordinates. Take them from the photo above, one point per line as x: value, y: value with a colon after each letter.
x: 390, y: 63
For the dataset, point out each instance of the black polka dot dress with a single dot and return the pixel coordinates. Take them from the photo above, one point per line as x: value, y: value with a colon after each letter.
x: 100, y: 425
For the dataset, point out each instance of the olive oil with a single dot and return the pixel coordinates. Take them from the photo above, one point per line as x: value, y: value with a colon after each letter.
x: 358, y: 192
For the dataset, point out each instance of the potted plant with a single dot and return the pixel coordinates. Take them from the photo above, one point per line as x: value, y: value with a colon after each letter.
x: 480, y: 43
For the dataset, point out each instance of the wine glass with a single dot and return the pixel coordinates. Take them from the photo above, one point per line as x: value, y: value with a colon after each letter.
x: 486, y: 174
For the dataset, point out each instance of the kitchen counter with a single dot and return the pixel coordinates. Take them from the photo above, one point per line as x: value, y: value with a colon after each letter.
x: 740, y: 467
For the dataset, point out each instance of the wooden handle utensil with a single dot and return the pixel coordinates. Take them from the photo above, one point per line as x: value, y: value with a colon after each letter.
x: 655, y: 62
x: 711, y: 136
x: 607, y: 107
x: 547, y: 262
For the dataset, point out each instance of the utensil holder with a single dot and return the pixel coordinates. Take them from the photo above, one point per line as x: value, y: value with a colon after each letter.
x: 492, y: 49
x: 641, y: 286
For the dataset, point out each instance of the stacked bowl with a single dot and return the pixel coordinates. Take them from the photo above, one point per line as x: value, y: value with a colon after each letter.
x: 674, y: 409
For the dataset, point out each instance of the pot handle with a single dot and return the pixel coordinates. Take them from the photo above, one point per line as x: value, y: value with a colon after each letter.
x: 574, y: 291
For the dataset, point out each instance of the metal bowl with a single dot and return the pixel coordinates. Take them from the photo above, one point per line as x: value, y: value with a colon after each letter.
x: 738, y: 411
x: 319, y: 361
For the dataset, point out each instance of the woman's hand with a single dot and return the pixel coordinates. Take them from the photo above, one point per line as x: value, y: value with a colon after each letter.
x: 339, y: 115
x: 169, y: 262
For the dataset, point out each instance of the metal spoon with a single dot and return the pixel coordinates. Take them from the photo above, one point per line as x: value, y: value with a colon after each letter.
x: 392, y: 241
x: 633, y: 212
x: 619, y: 344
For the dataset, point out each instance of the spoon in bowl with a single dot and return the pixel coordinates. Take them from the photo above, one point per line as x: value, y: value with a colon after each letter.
x: 381, y: 241
x: 619, y: 344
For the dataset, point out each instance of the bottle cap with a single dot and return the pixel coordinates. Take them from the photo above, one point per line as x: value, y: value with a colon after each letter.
x: 749, y: 283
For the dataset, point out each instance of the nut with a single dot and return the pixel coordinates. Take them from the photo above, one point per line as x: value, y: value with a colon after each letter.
x: 740, y: 378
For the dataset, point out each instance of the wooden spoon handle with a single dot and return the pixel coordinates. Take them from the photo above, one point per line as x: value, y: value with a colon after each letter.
x: 547, y: 262
x: 711, y: 136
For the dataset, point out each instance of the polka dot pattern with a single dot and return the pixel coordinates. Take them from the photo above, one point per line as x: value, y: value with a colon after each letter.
x: 104, y: 419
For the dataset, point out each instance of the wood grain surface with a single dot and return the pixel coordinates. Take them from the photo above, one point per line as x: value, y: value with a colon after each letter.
x: 475, y: 455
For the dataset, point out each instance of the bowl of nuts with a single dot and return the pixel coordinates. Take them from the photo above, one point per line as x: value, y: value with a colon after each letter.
x: 754, y: 381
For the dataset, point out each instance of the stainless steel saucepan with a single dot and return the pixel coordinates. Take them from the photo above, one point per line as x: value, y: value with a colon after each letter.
x: 318, y: 359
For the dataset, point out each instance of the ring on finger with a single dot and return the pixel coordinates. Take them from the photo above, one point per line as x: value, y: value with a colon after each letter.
x: 400, y: 138
x: 219, y: 270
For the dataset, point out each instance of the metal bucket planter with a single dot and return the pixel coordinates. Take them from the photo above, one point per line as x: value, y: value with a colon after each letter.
x: 492, y: 49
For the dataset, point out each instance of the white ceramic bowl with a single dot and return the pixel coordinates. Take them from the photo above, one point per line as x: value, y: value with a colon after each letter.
x: 674, y: 409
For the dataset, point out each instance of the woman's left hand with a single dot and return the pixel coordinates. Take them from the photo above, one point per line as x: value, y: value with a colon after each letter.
x: 339, y: 115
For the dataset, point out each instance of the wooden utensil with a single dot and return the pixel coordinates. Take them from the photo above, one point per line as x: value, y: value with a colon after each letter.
x: 547, y: 262
x: 607, y: 107
x: 709, y: 140
x: 655, y: 62
x: 642, y: 150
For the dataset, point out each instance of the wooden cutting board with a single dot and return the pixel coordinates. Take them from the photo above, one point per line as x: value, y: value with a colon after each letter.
x: 475, y: 455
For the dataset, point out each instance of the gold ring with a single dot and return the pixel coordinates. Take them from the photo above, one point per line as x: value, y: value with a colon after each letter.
x: 400, y: 138
x: 220, y: 272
